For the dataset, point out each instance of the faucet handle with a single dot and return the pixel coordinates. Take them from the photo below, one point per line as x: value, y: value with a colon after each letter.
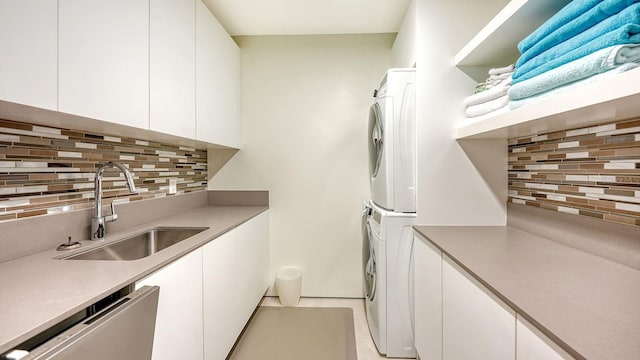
x: 99, y: 234
x: 113, y: 216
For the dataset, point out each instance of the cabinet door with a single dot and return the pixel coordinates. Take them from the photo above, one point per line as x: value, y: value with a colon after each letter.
x: 235, y: 270
x: 172, y: 51
x: 178, y: 333
x: 29, y: 61
x: 217, y: 81
x: 531, y: 344
x: 428, y: 299
x: 253, y: 245
x: 220, y: 293
x: 104, y: 60
x: 476, y: 324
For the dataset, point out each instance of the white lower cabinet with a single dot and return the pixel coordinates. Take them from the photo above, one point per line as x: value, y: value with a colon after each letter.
x: 220, y: 292
x: 476, y: 324
x: 207, y: 296
x: 178, y: 333
x: 457, y: 318
x: 532, y: 344
x: 253, y: 246
x: 428, y: 300
x: 235, y: 272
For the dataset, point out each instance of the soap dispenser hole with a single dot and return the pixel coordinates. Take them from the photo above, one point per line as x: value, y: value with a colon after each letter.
x: 69, y: 245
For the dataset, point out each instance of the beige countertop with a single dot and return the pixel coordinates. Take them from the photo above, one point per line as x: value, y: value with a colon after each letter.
x: 38, y: 291
x: 589, y: 305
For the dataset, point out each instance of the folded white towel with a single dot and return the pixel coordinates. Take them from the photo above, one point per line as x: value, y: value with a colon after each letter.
x: 496, y: 79
x: 493, y: 80
x: 502, y: 110
x: 493, y: 92
x: 502, y: 70
x: 487, y: 107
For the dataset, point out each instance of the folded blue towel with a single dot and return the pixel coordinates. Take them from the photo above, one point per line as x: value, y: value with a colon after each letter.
x: 591, y: 17
x: 628, y: 34
x: 565, y: 15
x: 606, y: 33
x: 590, y: 65
x: 514, y: 104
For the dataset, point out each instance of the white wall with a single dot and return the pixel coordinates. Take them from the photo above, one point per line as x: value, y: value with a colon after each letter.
x: 459, y: 183
x: 305, y: 102
x: 403, y: 52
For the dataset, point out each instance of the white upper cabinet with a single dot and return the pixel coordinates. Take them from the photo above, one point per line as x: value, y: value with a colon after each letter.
x: 29, y: 61
x: 172, y: 50
x: 104, y: 60
x: 217, y: 81
x: 164, y: 65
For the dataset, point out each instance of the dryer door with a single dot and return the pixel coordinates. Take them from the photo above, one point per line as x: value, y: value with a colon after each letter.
x: 376, y: 139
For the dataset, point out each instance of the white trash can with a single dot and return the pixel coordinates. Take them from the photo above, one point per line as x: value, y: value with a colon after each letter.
x: 289, y: 285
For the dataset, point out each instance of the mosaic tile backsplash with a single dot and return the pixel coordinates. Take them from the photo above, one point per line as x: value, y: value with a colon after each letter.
x: 45, y: 170
x: 592, y: 171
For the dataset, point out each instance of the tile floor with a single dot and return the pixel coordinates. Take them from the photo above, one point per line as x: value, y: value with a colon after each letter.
x: 365, y: 347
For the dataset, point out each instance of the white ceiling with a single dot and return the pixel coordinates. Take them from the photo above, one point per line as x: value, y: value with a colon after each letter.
x: 288, y: 17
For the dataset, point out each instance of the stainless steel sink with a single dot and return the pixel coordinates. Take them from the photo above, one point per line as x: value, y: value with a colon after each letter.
x: 140, y: 245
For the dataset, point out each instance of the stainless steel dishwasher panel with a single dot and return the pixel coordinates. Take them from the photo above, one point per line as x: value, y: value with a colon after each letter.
x: 122, y: 331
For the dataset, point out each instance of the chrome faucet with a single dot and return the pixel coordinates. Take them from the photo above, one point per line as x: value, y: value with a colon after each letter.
x: 98, y: 229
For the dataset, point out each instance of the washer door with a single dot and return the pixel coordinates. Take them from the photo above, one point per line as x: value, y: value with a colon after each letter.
x: 370, y: 264
x: 376, y: 139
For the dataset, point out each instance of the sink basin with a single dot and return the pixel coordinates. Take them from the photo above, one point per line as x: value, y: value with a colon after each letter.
x: 140, y: 245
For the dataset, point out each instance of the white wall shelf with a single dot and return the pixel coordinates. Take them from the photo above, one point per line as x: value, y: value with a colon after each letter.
x: 614, y: 98
x: 496, y: 44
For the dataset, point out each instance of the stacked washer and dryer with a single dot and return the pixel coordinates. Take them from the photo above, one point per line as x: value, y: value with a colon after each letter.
x: 390, y: 214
